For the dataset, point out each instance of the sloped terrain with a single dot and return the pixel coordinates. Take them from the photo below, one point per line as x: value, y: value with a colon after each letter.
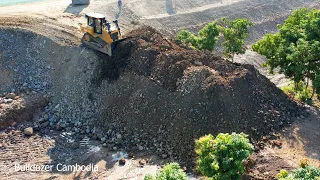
x: 153, y: 95
x: 19, y: 109
x: 167, y: 16
x: 177, y: 95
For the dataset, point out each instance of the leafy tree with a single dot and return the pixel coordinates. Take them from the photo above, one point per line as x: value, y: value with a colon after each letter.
x: 295, y: 49
x: 316, y: 85
x: 206, y: 39
x: 188, y: 38
x: 208, y: 36
x: 297, y: 91
x: 234, y: 33
x: 170, y: 171
x: 222, y: 157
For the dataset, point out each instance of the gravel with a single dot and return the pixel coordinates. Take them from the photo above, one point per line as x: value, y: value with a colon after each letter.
x: 146, y: 97
x: 28, y: 131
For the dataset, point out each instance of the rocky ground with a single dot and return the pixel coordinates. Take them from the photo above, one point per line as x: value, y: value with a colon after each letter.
x: 152, y: 98
x: 15, y: 109
x: 284, y: 150
x: 49, y: 147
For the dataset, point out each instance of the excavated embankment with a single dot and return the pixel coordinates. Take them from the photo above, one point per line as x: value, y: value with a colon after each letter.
x: 152, y: 95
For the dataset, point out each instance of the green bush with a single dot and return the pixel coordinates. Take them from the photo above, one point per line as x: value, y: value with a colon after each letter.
x: 149, y: 177
x: 282, y: 174
x: 206, y: 39
x: 302, y: 95
x: 234, y: 33
x: 208, y: 36
x: 222, y: 157
x: 170, y: 171
x: 298, y: 91
x: 188, y: 38
x: 306, y: 173
x: 289, y: 90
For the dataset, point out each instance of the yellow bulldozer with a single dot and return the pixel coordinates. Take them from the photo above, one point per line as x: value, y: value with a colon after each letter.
x: 100, y: 34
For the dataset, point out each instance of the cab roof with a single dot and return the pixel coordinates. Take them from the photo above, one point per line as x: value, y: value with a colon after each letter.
x: 95, y: 15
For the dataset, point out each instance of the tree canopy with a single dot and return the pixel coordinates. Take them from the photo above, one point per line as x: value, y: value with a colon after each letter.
x: 234, y: 33
x: 206, y: 39
x: 295, y: 49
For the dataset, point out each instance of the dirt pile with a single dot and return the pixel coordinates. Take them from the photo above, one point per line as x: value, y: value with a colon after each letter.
x: 152, y: 95
x: 160, y: 96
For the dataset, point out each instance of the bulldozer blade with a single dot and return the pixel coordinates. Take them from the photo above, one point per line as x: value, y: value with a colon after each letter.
x: 115, y: 43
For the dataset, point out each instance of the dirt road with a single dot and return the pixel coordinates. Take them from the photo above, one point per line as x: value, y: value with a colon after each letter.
x: 185, y: 14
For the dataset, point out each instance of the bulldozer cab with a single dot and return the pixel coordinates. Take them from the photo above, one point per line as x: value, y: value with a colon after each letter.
x: 96, y: 21
x: 100, y: 34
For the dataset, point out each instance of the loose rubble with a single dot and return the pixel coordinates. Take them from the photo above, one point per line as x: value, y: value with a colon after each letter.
x: 28, y: 131
x: 154, y: 95
x: 20, y: 109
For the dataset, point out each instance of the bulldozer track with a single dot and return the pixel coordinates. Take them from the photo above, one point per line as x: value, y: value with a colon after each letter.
x: 94, y: 43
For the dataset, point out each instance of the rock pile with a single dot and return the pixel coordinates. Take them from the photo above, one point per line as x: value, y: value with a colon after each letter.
x: 15, y: 109
x: 159, y: 96
x: 152, y: 95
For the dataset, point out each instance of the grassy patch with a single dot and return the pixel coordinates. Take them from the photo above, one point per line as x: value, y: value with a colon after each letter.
x: 300, y: 93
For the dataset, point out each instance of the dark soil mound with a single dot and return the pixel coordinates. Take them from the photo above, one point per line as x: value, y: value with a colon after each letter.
x: 161, y: 96
x: 152, y: 95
